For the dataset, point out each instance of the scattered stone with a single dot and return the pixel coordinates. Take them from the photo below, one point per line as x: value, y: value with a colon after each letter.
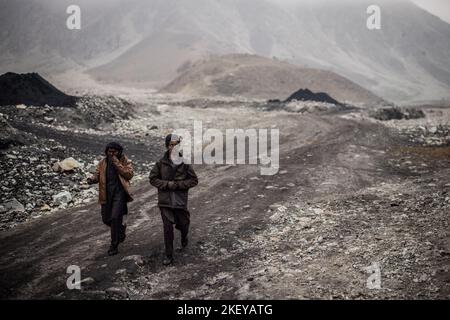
x: 138, y: 259
x: 68, y: 164
x: 119, y: 291
x: 396, y: 113
x: 45, y: 207
x: 62, y: 198
x: 14, y: 206
x: 274, y: 206
x: 88, y: 280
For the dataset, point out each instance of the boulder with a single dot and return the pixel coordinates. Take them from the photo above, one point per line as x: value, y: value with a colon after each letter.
x: 138, y: 259
x: 62, y: 198
x: 67, y: 165
x: 14, y: 206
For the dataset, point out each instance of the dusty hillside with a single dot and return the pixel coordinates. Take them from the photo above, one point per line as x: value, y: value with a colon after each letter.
x: 257, y: 77
x: 144, y: 43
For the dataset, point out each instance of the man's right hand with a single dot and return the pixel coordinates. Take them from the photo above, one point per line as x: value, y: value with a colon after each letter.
x: 171, y: 185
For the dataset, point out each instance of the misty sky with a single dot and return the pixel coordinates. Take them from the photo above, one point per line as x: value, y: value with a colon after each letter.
x: 440, y: 8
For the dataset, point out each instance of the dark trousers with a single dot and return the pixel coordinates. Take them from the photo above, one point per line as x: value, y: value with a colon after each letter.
x: 117, y: 230
x: 181, y: 219
x: 112, y: 216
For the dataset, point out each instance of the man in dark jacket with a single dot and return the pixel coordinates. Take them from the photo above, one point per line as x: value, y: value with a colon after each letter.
x: 113, y: 175
x: 173, y: 182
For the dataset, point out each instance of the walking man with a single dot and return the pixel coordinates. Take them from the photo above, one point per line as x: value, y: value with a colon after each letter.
x: 173, y: 182
x: 113, y: 174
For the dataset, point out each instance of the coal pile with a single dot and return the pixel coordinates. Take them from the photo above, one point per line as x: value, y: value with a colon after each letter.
x: 31, y: 89
x: 308, y: 95
x: 396, y: 113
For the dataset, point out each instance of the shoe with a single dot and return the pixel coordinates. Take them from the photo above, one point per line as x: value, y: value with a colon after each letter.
x: 122, y: 233
x: 167, y: 261
x: 112, y: 251
x: 184, y: 243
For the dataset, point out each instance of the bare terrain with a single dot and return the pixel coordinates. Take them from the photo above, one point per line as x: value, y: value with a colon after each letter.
x: 351, y: 191
x: 257, y: 77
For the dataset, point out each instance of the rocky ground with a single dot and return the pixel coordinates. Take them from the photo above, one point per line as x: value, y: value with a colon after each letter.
x: 33, y: 184
x: 354, y: 195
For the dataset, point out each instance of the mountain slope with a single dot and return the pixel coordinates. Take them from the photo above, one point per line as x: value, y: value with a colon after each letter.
x: 257, y: 77
x: 146, y: 42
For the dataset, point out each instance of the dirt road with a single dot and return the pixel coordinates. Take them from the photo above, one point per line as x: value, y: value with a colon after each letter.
x: 246, y: 241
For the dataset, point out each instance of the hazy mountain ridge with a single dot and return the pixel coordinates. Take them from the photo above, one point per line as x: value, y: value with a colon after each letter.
x: 146, y: 42
x: 257, y: 77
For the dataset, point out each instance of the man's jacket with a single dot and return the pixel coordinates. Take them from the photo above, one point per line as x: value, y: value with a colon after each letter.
x: 125, y: 172
x: 184, y: 178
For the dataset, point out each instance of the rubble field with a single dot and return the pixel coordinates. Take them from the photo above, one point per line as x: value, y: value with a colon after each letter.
x: 358, y: 209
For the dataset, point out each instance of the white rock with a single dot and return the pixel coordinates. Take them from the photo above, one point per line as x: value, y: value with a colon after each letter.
x: 68, y: 164
x: 45, y: 207
x: 121, y: 271
x: 88, y: 280
x: 317, y: 211
x: 276, y: 216
x: 138, y: 259
x: 275, y: 206
x: 62, y: 198
x: 14, y: 206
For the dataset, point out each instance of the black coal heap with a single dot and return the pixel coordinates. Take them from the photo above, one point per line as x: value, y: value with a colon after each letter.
x: 31, y: 89
x: 308, y: 95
